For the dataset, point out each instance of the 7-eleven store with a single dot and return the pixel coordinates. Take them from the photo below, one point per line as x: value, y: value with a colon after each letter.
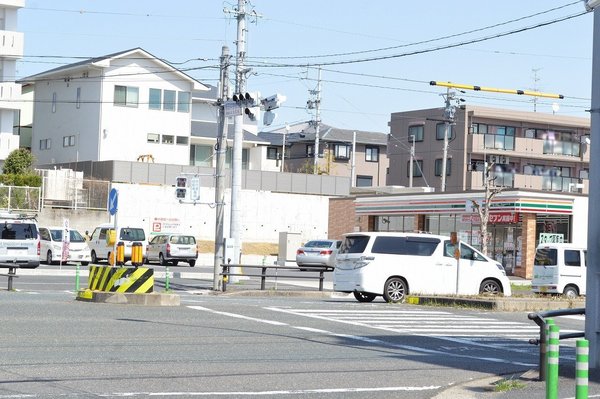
x: 517, y: 218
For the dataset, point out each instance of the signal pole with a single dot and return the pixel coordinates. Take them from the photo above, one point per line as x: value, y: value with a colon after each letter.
x: 221, y: 150
x: 316, y: 103
x: 449, y: 112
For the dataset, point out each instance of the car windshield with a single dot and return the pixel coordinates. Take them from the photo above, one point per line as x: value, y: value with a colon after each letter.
x: 317, y: 244
x: 132, y: 234
x: 186, y: 240
x: 19, y: 231
x: 74, y: 235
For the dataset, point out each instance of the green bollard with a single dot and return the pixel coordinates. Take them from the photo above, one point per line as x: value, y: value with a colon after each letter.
x: 552, y: 366
x: 581, y: 369
x: 77, y: 277
x: 167, y: 278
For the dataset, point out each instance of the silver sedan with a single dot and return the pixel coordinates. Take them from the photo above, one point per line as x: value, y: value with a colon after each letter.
x: 317, y: 253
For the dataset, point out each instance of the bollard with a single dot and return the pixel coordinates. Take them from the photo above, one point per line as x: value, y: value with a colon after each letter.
x: 543, y: 347
x: 120, y: 253
x: 581, y: 369
x: 552, y: 366
x: 137, y: 257
x: 77, y: 277
x: 167, y: 278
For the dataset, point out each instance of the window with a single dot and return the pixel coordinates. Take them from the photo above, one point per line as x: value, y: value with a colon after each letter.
x: 181, y: 140
x: 417, y: 168
x: 169, y: 100
x: 154, y: 99
x: 53, y: 102
x: 341, y: 151
x: 440, y: 130
x: 416, y: 131
x: 310, y: 150
x: 183, y: 101
x: 371, y: 154
x: 78, y: 98
x: 153, y: 138
x: 126, y: 96
x: 272, y: 153
x: 572, y: 257
x: 438, y: 166
x: 418, y: 246
x: 364, y: 181
x: 167, y: 139
x: 68, y: 141
x: 45, y: 144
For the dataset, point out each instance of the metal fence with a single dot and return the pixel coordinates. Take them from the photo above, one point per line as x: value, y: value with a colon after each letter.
x: 74, y: 193
x: 16, y: 198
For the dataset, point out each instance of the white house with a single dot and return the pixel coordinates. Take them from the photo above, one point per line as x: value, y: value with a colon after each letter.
x: 124, y: 106
x: 11, y: 49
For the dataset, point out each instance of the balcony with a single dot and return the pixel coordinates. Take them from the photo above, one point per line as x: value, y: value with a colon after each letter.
x: 530, y: 182
x: 11, y: 44
x: 10, y: 95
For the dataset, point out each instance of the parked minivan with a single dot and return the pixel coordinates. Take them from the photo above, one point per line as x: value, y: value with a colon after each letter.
x: 560, y: 268
x: 99, y: 248
x: 393, y: 265
x: 51, y: 246
x: 19, y: 241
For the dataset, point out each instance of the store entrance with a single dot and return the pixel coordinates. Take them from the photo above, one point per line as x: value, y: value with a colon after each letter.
x: 505, y: 245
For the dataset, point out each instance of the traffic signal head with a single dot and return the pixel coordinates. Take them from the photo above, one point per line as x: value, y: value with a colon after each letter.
x: 251, y: 115
x: 273, y: 102
x: 181, y: 184
x: 252, y: 98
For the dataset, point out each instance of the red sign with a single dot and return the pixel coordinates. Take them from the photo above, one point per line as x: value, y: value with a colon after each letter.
x: 156, y: 227
x: 494, y: 218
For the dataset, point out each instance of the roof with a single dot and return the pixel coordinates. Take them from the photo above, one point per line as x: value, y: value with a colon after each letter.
x: 104, y: 62
x: 210, y: 130
x: 306, y: 132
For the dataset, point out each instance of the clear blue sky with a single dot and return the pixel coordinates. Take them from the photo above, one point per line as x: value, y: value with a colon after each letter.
x: 355, y: 95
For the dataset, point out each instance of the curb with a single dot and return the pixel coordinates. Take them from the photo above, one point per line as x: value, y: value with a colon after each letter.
x: 126, y: 298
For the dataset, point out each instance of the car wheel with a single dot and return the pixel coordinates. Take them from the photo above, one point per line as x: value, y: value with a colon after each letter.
x: 161, y: 260
x: 490, y: 287
x: 174, y: 262
x: 394, y: 290
x: 364, y: 297
x: 570, y: 292
x: 94, y: 257
x: 49, y: 258
x: 192, y: 263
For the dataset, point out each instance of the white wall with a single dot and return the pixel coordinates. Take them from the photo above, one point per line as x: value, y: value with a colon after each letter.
x: 580, y: 221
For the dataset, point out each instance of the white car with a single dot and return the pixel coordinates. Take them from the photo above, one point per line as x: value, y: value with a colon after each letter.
x: 172, y: 248
x: 51, y: 246
x: 125, y: 234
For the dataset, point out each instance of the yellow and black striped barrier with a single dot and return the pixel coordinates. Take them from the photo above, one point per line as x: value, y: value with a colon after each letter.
x: 138, y: 280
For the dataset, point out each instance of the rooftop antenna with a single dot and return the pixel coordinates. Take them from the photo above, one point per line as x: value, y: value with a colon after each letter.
x: 536, y: 79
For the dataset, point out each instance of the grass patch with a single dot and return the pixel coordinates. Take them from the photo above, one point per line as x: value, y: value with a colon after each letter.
x: 520, y: 288
x: 508, y: 384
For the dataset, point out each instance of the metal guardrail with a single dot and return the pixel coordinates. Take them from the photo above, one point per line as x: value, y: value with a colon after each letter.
x: 540, y: 320
x: 264, y: 273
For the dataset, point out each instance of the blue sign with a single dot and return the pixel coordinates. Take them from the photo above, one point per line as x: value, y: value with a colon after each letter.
x: 113, y: 201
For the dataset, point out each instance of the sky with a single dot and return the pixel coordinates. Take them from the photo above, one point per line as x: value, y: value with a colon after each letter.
x: 375, y: 57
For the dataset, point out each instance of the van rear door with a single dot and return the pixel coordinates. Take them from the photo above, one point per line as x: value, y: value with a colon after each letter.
x: 545, y: 269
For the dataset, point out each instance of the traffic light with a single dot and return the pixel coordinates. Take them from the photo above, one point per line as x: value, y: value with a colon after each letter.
x: 250, y: 102
x: 181, y: 187
x: 273, y: 102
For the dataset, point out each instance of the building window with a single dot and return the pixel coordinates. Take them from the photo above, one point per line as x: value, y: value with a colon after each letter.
x: 169, y: 100
x: 126, y: 96
x: 68, y: 141
x: 78, y: 99
x: 53, y: 102
x: 341, y: 151
x: 364, y: 181
x: 153, y: 138
x: 181, y: 140
x: 167, y: 139
x: 183, y: 101
x: 272, y: 152
x: 154, y: 97
x: 417, y: 168
x: 584, y: 174
x: 372, y: 154
x: 310, y: 150
x: 438, y: 166
x: 440, y: 130
x: 45, y: 144
x: 416, y: 131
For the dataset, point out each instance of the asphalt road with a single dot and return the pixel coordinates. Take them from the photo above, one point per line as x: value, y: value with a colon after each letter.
x: 237, y: 346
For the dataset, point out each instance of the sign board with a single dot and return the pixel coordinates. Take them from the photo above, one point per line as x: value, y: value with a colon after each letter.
x: 232, y: 108
x: 195, y: 188
x: 551, y: 238
x: 493, y: 218
x: 499, y: 159
x: 113, y: 201
x: 66, y: 239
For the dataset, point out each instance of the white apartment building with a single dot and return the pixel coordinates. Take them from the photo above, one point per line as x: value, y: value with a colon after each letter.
x: 11, y: 49
x: 125, y: 106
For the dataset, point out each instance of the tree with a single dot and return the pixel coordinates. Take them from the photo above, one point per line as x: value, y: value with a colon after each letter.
x: 483, y: 208
x: 18, y: 162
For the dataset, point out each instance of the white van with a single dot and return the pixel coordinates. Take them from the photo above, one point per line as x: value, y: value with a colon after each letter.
x: 397, y: 264
x: 100, y: 250
x: 559, y: 269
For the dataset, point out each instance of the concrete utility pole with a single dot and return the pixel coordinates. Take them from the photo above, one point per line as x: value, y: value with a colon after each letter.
x: 412, y: 160
x: 353, y: 164
x: 317, y: 105
x: 221, y: 151
x: 449, y: 112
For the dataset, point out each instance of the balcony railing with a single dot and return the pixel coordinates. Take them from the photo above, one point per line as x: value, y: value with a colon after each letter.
x: 11, y: 44
x: 531, y: 182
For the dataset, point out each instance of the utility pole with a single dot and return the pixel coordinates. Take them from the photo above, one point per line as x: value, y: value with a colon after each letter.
x: 221, y: 151
x: 353, y: 164
x: 412, y: 160
x: 449, y: 112
x: 317, y: 105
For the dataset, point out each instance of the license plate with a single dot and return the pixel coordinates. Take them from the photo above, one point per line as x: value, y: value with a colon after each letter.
x: 16, y: 252
x: 543, y: 289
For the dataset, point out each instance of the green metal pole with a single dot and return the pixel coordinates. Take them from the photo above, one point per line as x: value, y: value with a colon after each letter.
x: 552, y: 367
x: 581, y: 369
x: 167, y: 278
x: 543, y: 347
x: 77, y: 277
